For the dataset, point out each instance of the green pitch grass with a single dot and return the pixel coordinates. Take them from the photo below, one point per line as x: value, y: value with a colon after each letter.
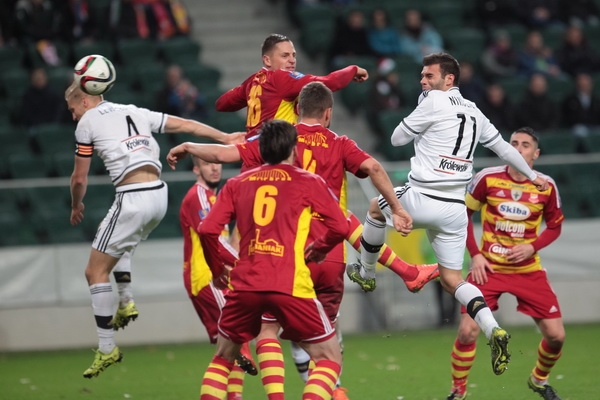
x: 410, y: 365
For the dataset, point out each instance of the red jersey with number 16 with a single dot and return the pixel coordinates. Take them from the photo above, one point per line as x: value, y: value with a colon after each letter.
x: 272, y: 94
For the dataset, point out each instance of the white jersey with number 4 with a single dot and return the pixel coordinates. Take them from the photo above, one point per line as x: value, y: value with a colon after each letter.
x: 122, y: 136
x: 445, y: 128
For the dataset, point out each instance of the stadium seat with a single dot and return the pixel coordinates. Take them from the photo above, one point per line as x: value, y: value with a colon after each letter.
x: 514, y: 88
x: 28, y: 166
x: 44, y: 201
x: 205, y: 77
x: 387, y: 122
x: 150, y: 78
x: 53, y: 138
x: 181, y: 50
x: 228, y: 122
x: 355, y: 96
x: 11, y: 57
x: 15, y: 82
x: 461, y: 38
x: 57, y: 229
x: 135, y: 52
x: 59, y: 79
x: 562, y: 142
x: 102, y: 47
x: 317, y: 39
x: 447, y: 16
x: 63, y: 162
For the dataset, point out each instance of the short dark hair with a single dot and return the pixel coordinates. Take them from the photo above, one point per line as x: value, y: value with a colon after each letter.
x: 277, y: 140
x: 528, y: 131
x: 314, y: 99
x: 272, y: 40
x: 448, y: 64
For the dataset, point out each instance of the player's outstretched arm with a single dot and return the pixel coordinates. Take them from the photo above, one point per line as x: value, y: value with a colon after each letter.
x: 182, y: 125
x: 212, y: 153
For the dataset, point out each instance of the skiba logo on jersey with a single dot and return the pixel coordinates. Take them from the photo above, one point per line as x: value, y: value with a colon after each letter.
x: 514, y: 211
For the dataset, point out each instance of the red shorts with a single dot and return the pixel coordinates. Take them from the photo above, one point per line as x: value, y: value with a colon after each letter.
x: 534, y: 294
x: 328, y: 280
x: 208, y: 304
x: 301, y: 319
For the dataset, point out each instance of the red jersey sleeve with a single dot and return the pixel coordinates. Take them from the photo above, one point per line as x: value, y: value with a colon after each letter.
x: 326, y: 204
x: 233, y: 100
x: 250, y: 155
x: 354, y: 157
x: 210, y: 229
x: 291, y: 83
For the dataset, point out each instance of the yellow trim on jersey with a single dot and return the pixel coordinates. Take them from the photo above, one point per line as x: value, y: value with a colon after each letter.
x: 303, y: 284
x: 286, y: 111
x: 200, y: 274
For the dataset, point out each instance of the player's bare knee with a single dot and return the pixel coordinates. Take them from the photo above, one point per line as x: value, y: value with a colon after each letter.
x: 375, y: 211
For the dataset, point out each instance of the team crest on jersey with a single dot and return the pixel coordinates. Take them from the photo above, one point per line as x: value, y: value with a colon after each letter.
x: 516, y: 194
x: 203, y: 213
x: 533, y: 198
x: 296, y: 74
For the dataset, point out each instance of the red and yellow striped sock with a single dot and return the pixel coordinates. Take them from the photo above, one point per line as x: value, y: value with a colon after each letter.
x: 463, y: 356
x: 214, y: 382
x: 547, y: 357
x: 271, y: 365
x: 235, y: 383
x: 322, y: 381
x: 387, y: 257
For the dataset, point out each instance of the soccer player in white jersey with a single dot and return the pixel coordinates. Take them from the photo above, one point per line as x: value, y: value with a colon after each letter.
x: 122, y: 137
x: 445, y: 128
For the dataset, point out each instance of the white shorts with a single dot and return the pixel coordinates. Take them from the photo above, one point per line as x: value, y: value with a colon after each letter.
x: 138, y: 209
x: 444, y: 220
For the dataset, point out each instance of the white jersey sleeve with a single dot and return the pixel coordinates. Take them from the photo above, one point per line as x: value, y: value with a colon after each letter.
x: 122, y: 137
x: 446, y: 128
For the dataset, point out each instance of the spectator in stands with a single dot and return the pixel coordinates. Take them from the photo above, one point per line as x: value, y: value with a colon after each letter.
x: 537, y: 109
x: 575, y: 55
x: 500, y: 58
x: 495, y: 13
x: 173, y: 76
x: 418, y: 38
x: 539, y: 14
x: 180, y: 97
x: 350, y: 39
x: 385, y: 92
x: 585, y: 12
x: 158, y: 19
x: 498, y: 108
x: 471, y: 84
x: 38, y: 23
x: 581, y: 109
x: 40, y: 103
x: 535, y: 57
x: 384, y: 38
x: 7, y: 22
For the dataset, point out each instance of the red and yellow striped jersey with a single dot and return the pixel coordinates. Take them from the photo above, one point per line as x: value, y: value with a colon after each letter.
x: 511, y: 214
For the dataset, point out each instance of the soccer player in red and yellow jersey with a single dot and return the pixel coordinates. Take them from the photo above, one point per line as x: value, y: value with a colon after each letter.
x: 273, y: 206
x: 197, y: 278
x: 507, y: 261
x: 271, y: 92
